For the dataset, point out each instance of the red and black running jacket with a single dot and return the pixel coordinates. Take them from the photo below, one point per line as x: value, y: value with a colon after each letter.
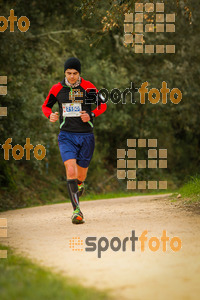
x: 89, y: 95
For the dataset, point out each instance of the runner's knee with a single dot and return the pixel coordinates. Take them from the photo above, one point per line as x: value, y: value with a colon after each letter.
x: 71, y: 172
x: 81, y: 177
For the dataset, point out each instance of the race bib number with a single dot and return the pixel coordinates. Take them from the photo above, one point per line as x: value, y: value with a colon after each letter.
x: 71, y: 109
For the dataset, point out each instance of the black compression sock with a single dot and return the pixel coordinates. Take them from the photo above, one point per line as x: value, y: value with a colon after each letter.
x: 72, y: 187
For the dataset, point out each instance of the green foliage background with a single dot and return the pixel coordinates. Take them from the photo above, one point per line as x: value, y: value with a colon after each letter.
x: 93, y: 32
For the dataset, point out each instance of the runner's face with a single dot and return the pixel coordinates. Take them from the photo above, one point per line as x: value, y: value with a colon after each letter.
x: 72, y: 75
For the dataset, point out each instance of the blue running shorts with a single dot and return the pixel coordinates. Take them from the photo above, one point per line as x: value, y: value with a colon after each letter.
x: 79, y: 146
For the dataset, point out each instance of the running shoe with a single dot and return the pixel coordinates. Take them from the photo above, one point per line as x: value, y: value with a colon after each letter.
x: 81, y: 189
x: 77, y: 217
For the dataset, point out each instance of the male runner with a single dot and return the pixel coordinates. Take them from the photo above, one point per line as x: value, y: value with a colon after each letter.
x: 76, y: 139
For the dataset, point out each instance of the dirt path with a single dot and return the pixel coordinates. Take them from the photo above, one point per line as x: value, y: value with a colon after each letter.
x: 43, y: 234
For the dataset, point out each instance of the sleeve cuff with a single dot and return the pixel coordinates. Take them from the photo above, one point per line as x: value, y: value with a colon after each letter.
x: 91, y: 114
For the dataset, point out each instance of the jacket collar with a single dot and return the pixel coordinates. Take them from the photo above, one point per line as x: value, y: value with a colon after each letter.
x: 64, y: 84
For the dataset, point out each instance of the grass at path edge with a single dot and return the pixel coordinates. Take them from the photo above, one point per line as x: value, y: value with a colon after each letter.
x: 189, y: 192
x: 22, y: 279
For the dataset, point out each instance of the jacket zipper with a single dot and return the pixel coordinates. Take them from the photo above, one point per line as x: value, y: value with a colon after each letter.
x: 64, y: 117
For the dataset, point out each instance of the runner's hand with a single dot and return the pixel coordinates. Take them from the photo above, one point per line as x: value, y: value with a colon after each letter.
x: 84, y: 116
x: 54, y: 117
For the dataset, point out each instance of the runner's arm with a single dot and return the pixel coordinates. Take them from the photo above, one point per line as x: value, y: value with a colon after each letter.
x: 100, y: 109
x: 49, y: 103
x: 101, y: 106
